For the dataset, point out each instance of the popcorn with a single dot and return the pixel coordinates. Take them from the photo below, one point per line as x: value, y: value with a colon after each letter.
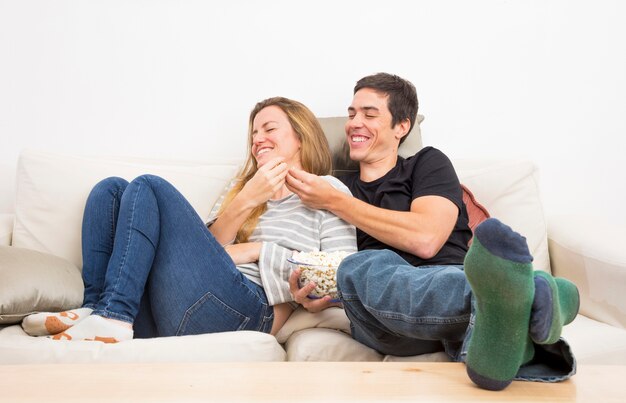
x: 321, y: 268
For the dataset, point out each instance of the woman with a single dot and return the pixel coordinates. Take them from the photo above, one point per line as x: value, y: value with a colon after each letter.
x: 152, y: 268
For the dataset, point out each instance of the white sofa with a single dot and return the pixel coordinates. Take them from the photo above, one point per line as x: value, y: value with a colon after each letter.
x: 40, y: 263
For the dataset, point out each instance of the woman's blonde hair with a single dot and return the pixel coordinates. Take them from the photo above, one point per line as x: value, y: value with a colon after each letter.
x: 314, y: 154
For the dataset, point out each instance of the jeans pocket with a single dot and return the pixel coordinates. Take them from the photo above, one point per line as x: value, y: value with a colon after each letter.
x: 268, y: 319
x: 211, y: 315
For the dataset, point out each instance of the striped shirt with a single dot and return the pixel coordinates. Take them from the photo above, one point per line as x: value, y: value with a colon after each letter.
x: 287, y: 226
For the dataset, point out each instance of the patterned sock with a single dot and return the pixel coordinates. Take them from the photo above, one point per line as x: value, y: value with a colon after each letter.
x: 555, y: 305
x: 46, y: 323
x: 96, y: 328
x: 499, y: 269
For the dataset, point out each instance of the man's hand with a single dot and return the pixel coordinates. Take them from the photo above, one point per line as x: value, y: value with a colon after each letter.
x: 243, y: 253
x: 300, y: 295
x: 314, y: 191
x: 265, y: 182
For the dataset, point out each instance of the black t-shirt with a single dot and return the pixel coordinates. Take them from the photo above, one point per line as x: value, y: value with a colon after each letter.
x: 427, y: 173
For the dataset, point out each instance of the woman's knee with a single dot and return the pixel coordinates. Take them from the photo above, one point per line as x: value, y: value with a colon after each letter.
x: 153, y: 181
x: 110, y: 186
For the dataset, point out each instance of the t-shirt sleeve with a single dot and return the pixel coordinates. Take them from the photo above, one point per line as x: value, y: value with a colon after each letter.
x: 434, y: 175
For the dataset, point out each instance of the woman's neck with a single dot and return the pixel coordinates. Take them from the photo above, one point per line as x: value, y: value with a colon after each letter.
x: 281, y: 193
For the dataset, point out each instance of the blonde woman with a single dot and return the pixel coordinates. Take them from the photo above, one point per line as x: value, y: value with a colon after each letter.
x: 152, y: 268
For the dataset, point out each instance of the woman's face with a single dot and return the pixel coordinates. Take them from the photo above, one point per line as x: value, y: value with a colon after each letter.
x: 273, y: 136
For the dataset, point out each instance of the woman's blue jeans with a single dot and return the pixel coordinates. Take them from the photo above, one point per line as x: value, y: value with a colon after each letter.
x: 148, y: 259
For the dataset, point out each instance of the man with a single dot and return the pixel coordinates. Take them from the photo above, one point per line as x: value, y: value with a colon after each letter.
x: 411, y: 288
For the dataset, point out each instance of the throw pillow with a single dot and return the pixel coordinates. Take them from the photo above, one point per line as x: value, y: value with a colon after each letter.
x: 476, y: 212
x: 32, y: 281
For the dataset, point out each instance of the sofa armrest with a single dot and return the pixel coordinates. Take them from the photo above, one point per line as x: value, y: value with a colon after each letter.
x: 6, y: 229
x: 592, y: 253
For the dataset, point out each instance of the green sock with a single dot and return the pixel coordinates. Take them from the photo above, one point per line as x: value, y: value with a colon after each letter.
x: 555, y: 304
x: 499, y: 269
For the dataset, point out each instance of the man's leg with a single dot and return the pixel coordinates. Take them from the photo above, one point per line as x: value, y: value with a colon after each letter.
x: 400, y: 309
x: 514, y: 305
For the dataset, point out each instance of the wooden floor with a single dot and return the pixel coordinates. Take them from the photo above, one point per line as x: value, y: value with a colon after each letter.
x: 292, y: 382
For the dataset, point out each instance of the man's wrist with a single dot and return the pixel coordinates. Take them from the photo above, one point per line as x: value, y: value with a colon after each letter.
x: 336, y: 201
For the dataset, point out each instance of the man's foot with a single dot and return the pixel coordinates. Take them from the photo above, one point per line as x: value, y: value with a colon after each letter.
x: 97, y: 328
x: 47, y: 323
x: 499, y: 269
x: 555, y: 305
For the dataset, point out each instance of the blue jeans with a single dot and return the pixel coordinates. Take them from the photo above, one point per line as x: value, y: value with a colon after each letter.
x: 402, y: 310
x: 148, y: 259
x: 398, y: 309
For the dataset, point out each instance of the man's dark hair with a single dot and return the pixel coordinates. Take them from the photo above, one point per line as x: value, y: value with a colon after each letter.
x: 402, y: 101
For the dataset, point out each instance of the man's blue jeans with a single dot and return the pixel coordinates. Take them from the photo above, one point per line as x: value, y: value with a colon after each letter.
x: 398, y: 309
x: 148, y: 259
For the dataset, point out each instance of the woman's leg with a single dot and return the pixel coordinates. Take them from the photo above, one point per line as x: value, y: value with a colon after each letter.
x: 98, y: 229
x: 98, y: 234
x: 193, y: 285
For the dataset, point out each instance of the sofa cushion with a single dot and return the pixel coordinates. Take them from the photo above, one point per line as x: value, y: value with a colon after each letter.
x: 320, y: 344
x: 6, y: 229
x: 16, y: 347
x: 32, y: 281
x: 52, y: 189
x: 596, y: 343
x: 301, y: 319
x: 509, y: 190
x: 589, y: 251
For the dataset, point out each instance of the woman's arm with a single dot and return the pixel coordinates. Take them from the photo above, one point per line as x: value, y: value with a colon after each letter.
x: 267, y: 181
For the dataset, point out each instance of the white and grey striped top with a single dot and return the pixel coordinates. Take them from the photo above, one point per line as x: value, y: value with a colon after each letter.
x: 288, y: 225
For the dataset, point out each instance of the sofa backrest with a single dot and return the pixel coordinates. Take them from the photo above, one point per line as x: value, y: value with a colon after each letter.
x: 51, y: 190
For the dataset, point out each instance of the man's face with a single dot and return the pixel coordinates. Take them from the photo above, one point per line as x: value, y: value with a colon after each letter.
x: 368, y: 129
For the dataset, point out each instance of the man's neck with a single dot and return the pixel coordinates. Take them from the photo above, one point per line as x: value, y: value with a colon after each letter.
x: 370, y: 171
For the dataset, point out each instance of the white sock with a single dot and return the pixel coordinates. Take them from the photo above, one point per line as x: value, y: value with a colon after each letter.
x: 46, y: 323
x: 97, y: 328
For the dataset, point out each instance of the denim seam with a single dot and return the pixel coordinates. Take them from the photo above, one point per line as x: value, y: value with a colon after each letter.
x: 196, y: 305
x: 128, y: 240
x: 414, y: 320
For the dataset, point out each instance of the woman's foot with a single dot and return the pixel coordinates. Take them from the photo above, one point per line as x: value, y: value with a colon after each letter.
x: 47, y: 323
x: 98, y: 328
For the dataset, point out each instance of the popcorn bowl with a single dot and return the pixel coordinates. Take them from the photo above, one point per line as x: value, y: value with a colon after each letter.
x: 320, y: 268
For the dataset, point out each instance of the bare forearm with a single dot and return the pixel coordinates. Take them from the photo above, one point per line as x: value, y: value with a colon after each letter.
x: 402, y: 230
x: 225, y: 228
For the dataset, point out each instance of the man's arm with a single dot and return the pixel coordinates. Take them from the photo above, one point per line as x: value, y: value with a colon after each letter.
x: 421, y: 231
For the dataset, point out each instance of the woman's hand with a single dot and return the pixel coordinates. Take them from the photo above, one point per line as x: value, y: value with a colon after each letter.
x: 269, y: 179
x: 300, y: 295
x: 243, y: 253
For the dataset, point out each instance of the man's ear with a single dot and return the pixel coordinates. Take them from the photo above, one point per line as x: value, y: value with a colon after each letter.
x: 402, y: 128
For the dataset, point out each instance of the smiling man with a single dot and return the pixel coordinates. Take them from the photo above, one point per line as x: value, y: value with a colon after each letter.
x: 410, y: 288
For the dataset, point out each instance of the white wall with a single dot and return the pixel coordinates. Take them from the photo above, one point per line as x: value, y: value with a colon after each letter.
x: 542, y: 80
